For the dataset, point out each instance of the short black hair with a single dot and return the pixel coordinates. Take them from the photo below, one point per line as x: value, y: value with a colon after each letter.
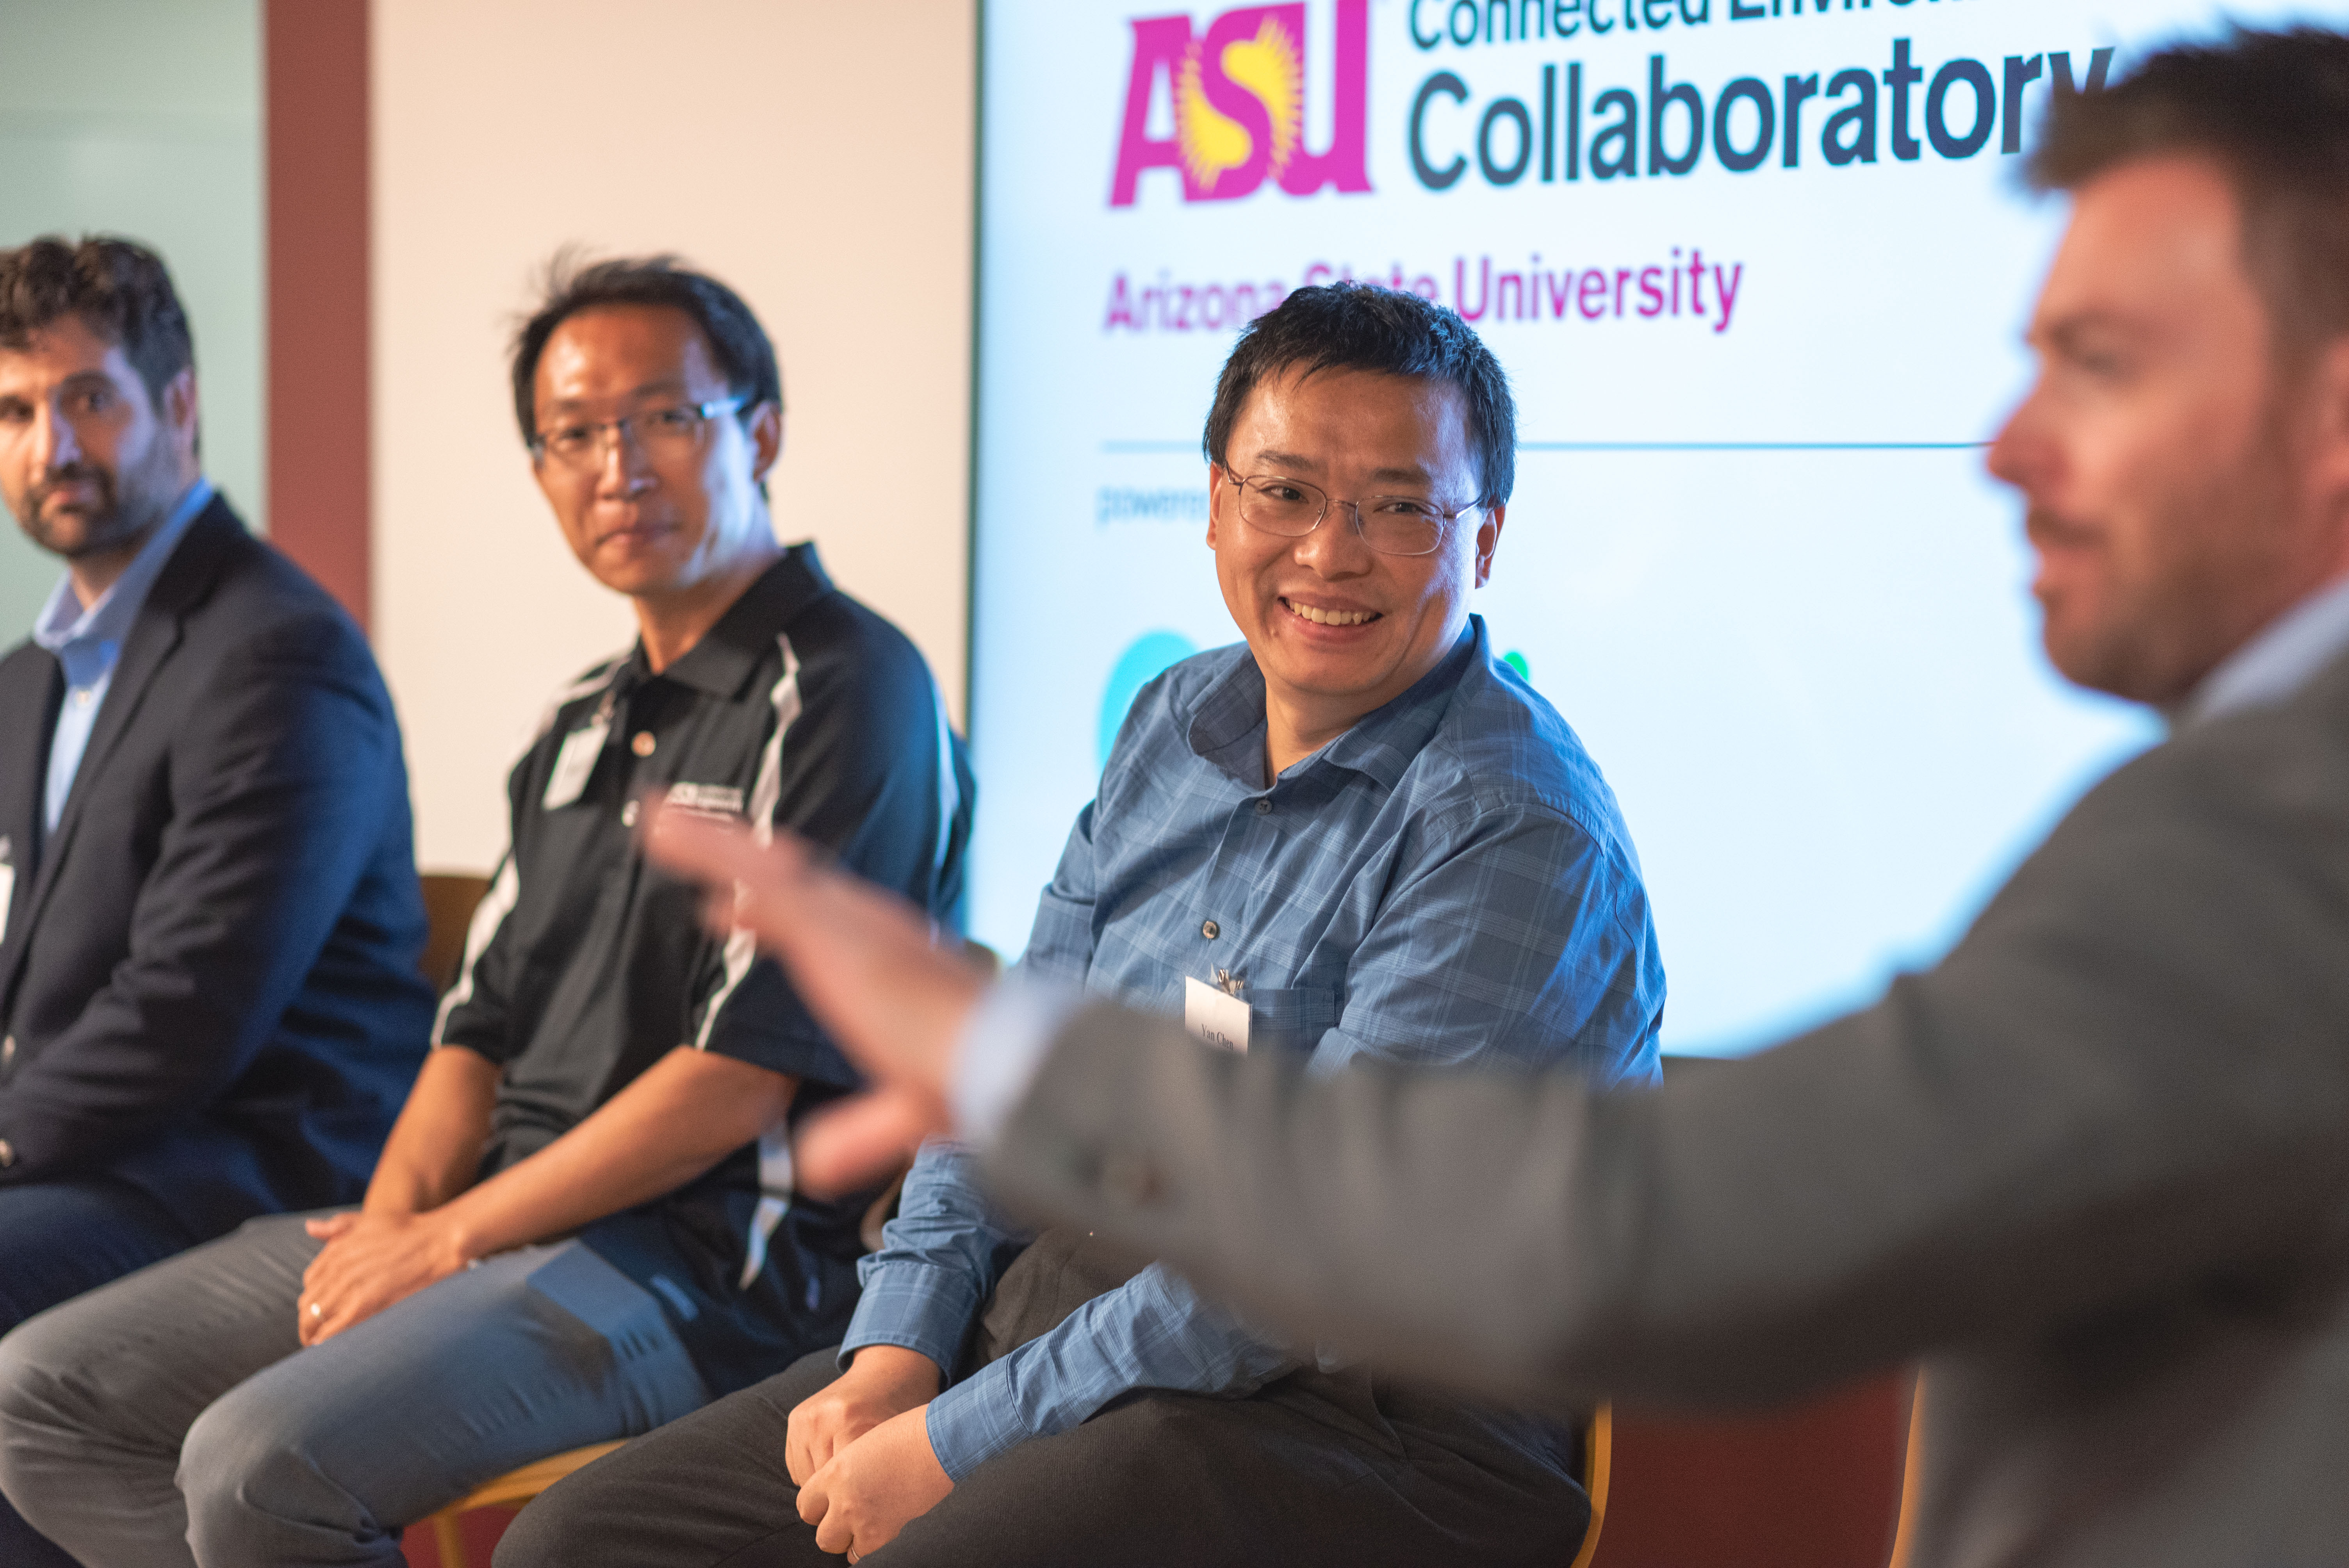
x: 1362, y: 326
x: 119, y: 288
x: 572, y: 284
x: 2272, y: 110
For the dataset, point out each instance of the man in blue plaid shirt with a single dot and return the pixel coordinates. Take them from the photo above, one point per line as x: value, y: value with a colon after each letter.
x: 1359, y: 834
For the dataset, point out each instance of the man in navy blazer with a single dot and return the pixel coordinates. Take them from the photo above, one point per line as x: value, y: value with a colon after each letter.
x: 210, y: 921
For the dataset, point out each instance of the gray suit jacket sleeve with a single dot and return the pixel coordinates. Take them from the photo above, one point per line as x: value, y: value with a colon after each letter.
x: 2127, y: 1086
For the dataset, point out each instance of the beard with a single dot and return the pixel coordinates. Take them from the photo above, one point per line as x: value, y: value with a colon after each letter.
x: 2214, y: 561
x: 124, y: 506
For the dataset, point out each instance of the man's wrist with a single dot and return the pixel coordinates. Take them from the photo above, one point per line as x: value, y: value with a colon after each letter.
x: 456, y: 1244
x: 898, y: 1365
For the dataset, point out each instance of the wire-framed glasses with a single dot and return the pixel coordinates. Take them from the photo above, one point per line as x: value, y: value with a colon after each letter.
x: 669, y: 431
x: 1389, y: 524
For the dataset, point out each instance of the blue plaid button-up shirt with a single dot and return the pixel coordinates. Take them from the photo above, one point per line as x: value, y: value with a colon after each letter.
x: 1447, y: 882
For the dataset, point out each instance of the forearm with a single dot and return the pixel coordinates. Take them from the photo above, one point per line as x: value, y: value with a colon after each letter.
x: 1900, y: 1180
x: 678, y: 1120
x: 434, y: 1152
x: 938, y: 1259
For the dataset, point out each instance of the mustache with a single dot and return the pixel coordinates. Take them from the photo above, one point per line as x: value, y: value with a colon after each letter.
x: 2045, y: 529
x: 73, y: 473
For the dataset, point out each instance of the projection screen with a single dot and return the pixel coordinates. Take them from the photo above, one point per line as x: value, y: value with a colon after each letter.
x: 1758, y: 270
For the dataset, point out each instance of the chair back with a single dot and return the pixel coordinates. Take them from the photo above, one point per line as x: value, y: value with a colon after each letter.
x: 450, y: 899
x: 1816, y: 1485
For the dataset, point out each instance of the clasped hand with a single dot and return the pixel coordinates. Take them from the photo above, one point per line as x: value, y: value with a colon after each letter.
x: 860, y: 1451
x: 370, y: 1261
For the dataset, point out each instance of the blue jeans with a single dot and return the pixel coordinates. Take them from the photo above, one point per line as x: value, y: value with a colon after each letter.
x: 173, y: 1418
x: 59, y: 1238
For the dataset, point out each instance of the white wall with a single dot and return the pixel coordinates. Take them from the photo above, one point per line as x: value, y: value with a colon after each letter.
x: 124, y: 117
x: 817, y: 157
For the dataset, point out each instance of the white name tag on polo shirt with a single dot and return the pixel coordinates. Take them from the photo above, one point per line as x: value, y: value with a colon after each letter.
x: 575, y: 763
x: 1216, y: 1015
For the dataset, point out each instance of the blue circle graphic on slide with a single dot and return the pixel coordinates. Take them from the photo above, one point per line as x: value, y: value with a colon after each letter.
x: 1150, y: 657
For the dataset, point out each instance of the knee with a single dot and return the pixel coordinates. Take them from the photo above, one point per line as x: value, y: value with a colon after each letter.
x: 546, y: 1534
x: 43, y: 1383
x: 247, y: 1459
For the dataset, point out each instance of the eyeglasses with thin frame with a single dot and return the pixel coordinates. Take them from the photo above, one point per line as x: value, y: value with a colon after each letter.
x: 1389, y: 524
x: 672, y: 430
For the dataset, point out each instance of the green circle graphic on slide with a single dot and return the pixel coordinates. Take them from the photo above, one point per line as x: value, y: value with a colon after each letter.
x: 1149, y: 656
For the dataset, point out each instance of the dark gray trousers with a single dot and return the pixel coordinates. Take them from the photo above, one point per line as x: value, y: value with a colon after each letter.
x: 1338, y: 1470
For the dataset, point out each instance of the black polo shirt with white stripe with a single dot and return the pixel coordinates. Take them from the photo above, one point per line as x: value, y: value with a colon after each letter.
x: 587, y: 965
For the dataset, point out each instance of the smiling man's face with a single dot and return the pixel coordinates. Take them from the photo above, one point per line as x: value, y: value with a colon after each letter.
x: 646, y: 523
x: 1339, y: 629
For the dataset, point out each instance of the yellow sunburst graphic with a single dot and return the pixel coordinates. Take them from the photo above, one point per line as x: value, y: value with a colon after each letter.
x: 1268, y: 67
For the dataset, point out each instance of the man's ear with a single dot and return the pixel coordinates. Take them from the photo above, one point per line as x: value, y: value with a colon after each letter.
x: 181, y: 410
x: 2327, y: 399
x: 1488, y: 540
x: 1216, y: 503
x: 766, y: 440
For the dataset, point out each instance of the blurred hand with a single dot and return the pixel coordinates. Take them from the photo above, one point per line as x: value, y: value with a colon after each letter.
x: 875, y: 1486
x: 882, y: 1381
x: 864, y: 962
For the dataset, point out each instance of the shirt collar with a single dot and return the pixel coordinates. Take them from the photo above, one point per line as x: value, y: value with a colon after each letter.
x: 730, y: 651
x: 64, y: 620
x: 1227, y: 724
x: 2275, y: 663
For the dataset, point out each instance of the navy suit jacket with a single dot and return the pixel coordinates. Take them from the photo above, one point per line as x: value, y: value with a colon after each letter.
x: 208, y: 974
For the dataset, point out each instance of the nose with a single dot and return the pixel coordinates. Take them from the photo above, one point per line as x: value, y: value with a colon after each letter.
x: 1335, y: 548
x: 2021, y: 453
x: 623, y: 470
x: 55, y: 443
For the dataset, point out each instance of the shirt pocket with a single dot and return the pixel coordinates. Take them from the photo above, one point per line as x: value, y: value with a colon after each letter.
x: 1293, y: 1018
x: 1060, y: 942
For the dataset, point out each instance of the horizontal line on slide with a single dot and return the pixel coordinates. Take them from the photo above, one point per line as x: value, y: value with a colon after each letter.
x: 1144, y: 449
x: 1750, y: 446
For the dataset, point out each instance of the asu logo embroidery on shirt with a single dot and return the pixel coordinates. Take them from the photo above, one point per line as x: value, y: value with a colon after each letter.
x: 721, y: 801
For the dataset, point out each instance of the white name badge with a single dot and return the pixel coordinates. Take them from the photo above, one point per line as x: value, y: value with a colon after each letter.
x: 575, y: 763
x: 1215, y: 1015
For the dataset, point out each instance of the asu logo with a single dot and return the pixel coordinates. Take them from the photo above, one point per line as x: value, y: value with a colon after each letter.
x: 1238, y: 97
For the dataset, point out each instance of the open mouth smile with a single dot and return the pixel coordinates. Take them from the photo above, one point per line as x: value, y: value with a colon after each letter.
x: 1321, y: 617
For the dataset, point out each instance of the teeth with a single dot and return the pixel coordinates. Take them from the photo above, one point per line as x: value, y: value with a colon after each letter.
x: 1331, y: 617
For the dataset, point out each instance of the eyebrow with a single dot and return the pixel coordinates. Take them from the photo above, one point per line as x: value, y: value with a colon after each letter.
x: 665, y: 384
x: 1414, y: 475
x: 2063, y: 331
x: 80, y: 380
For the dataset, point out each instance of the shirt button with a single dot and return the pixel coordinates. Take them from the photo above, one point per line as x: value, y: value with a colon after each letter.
x: 643, y: 743
x: 1210, y: 930
x: 1263, y: 807
x: 629, y: 815
x: 82, y: 697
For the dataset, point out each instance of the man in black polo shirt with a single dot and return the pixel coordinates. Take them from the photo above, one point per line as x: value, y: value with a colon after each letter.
x: 583, y: 1223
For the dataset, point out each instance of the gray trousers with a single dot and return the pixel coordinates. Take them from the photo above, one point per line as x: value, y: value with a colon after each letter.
x: 173, y: 1418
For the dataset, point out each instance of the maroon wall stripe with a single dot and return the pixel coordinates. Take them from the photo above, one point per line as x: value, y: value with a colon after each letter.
x: 315, y: 87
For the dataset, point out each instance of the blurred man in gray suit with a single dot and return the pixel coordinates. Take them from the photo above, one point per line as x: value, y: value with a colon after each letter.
x: 2093, y: 1169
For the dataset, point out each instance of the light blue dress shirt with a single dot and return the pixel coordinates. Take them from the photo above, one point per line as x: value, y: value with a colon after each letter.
x: 2274, y: 665
x: 88, y: 643
x: 1448, y: 883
